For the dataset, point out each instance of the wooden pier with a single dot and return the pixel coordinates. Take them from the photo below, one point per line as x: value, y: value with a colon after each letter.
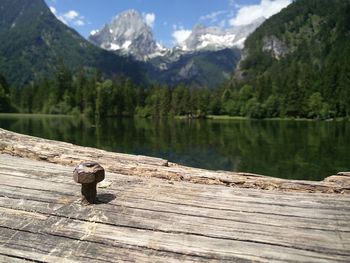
x: 153, y: 211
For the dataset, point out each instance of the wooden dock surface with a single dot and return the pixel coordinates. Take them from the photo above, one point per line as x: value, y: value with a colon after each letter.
x: 154, y: 220
x: 143, y: 166
x: 152, y: 210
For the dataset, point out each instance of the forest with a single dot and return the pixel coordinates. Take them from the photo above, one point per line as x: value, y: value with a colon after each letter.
x: 92, y: 95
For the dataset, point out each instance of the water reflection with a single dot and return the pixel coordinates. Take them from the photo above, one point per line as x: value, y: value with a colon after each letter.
x: 286, y: 149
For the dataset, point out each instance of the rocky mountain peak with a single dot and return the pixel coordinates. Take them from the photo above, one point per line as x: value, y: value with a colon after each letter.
x: 127, y: 34
x: 217, y: 38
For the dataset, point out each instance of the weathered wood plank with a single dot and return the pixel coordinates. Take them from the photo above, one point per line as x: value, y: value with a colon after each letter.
x: 142, y: 218
x: 179, y: 220
x: 171, y: 242
x: 229, y: 229
x: 186, y: 199
x: 239, y: 210
x: 68, y: 154
x: 48, y: 172
x: 44, y: 247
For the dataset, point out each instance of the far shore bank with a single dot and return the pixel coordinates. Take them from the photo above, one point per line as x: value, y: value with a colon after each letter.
x: 35, y: 115
x: 207, y: 117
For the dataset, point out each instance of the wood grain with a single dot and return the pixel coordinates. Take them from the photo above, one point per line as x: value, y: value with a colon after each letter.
x: 147, y: 219
x: 147, y: 167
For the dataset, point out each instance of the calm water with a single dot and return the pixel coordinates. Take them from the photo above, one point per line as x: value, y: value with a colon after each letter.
x: 285, y: 149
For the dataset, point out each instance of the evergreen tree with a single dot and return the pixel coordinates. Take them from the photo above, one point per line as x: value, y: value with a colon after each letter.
x: 5, y: 102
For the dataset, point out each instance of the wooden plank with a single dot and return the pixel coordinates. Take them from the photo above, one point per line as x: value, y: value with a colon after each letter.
x: 9, y: 165
x: 202, y: 200
x: 179, y: 221
x: 68, y: 154
x: 171, y: 243
x: 192, y: 216
x: 44, y: 247
x: 229, y: 229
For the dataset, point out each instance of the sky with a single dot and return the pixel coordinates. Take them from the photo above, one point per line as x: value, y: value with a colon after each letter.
x: 171, y: 20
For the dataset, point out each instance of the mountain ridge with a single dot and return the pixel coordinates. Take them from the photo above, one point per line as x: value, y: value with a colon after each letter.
x: 296, y: 64
x: 206, y: 58
x: 34, y: 41
x: 128, y: 34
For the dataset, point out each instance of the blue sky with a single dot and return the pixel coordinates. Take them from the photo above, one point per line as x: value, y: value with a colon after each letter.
x: 171, y: 20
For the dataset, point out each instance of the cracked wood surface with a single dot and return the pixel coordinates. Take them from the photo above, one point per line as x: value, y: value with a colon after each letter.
x: 142, y: 166
x: 154, y: 220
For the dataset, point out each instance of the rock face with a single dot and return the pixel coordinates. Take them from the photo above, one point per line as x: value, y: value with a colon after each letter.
x: 276, y: 47
x: 208, y: 38
x: 127, y: 34
x: 216, y: 38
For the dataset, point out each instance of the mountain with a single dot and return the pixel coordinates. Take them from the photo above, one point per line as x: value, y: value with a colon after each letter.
x: 205, y: 68
x: 34, y: 42
x: 127, y: 34
x: 298, y: 63
x: 216, y: 38
x: 206, y: 58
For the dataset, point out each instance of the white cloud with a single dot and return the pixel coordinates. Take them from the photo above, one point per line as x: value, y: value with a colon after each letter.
x: 79, y: 22
x: 213, y: 17
x: 149, y: 19
x: 180, y: 35
x: 72, y: 17
x: 217, y: 18
x: 266, y: 8
x: 234, y: 4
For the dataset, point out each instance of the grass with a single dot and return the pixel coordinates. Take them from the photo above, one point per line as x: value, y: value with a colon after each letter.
x: 226, y: 117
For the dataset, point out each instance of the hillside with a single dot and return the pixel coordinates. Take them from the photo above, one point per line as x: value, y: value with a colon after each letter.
x: 296, y: 64
x: 206, y: 68
x: 34, y: 42
x: 206, y: 58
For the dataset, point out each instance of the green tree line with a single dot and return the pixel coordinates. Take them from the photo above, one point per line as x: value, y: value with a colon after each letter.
x: 91, y: 95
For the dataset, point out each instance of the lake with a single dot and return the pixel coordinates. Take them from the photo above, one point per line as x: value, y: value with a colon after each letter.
x: 286, y: 149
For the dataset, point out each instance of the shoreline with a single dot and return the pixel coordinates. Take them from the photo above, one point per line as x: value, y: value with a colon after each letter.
x: 208, y: 117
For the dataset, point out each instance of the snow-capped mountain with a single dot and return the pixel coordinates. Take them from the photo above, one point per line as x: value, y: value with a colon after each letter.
x: 208, y: 54
x: 216, y: 38
x: 127, y: 34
